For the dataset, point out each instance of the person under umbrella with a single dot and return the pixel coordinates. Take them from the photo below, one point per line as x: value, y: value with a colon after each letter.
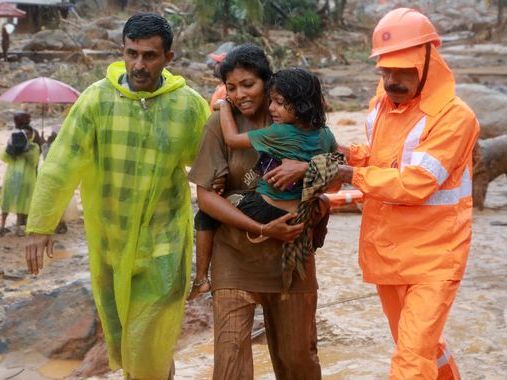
x: 22, y: 157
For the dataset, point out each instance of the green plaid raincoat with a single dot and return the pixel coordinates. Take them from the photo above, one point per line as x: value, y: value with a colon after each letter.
x: 129, y: 151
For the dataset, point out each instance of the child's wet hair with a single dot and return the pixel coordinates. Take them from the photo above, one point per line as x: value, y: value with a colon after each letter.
x: 302, y: 93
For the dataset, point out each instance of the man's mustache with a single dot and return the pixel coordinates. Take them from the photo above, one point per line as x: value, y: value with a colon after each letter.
x: 140, y: 73
x: 396, y: 88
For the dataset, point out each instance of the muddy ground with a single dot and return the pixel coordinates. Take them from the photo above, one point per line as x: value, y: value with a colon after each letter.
x: 354, y: 341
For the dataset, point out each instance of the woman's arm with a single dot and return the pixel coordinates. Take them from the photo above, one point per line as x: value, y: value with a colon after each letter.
x: 232, y: 137
x: 220, y: 209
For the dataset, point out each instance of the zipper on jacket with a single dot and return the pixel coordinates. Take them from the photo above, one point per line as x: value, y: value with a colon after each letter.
x: 143, y: 104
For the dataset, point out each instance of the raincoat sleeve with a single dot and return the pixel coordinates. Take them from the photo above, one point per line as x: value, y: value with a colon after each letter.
x: 33, y: 155
x: 445, y: 150
x: 67, y: 160
x: 6, y: 157
x: 198, y: 113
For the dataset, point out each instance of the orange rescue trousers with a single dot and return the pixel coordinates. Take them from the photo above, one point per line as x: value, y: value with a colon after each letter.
x: 417, y: 314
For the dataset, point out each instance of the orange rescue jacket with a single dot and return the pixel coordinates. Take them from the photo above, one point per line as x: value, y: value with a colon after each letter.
x: 415, y: 174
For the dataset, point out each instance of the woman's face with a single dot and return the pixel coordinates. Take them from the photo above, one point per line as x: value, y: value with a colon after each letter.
x: 246, y: 91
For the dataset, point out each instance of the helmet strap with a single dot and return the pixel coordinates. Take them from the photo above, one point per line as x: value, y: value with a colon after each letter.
x: 425, y: 69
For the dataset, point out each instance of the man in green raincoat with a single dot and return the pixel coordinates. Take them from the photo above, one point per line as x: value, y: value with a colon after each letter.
x: 127, y: 141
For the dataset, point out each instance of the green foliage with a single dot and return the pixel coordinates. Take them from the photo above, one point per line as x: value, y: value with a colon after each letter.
x: 309, y: 23
x: 229, y: 12
x: 279, y: 12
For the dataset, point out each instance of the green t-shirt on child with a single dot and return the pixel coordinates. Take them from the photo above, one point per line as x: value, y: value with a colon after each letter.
x: 288, y: 141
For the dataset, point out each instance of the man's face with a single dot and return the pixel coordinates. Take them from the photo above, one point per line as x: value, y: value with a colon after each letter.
x: 400, y: 84
x: 144, y: 59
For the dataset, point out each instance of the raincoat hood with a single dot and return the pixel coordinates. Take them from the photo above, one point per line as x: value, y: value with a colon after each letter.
x: 439, y: 87
x: 117, y: 69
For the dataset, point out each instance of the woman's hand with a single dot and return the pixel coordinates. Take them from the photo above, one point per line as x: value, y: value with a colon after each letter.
x: 218, y: 185
x: 279, y: 229
x: 288, y: 173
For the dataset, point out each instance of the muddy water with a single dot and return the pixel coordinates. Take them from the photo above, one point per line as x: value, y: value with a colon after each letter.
x: 58, y: 369
x: 354, y: 341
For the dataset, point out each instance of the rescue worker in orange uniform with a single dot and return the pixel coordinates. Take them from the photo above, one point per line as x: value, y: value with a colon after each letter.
x: 220, y: 91
x: 415, y: 173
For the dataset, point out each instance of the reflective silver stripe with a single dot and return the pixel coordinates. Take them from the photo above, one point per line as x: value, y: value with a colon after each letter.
x: 412, y: 141
x: 370, y: 122
x: 452, y: 196
x: 444, y: 358
x: 431, y: 164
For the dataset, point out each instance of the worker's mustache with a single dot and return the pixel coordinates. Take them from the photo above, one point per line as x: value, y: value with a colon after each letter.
x: 396, y: 88
x: 140, y: 73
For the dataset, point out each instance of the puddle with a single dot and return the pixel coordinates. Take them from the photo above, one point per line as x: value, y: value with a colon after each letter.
x: 61, y: 255
x: 58, y: 369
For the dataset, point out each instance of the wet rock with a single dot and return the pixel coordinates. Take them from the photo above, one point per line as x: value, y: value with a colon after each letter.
x: 341, y: 91
x: 95, y: 362
x: 115, y: 36
x: 90, y: 7
x: 105, y: 45
x: 88, y: 36
x: 61, y: 322
x: 490, y: 106
x: 51, y: 40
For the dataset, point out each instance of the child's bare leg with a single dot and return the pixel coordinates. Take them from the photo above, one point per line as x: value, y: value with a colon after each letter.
x: 3, y: 230
x: 20, y: 221
x: 203, y: 249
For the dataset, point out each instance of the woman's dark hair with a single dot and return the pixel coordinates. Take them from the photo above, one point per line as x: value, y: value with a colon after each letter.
x: 146, y: 25
x: 302, y: 93
x: 249, y: 57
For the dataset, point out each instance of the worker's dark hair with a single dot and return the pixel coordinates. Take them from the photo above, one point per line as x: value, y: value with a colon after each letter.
x: 302, y: 93
x: 146, y: 25
x: 249, y: 57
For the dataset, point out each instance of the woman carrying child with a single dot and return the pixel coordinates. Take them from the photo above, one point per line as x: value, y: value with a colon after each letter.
x: 245, y: 273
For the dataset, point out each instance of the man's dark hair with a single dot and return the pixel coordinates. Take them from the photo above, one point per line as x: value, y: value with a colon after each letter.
x: 249, y: 57
x: 146, y: 25
x: 302, y: 93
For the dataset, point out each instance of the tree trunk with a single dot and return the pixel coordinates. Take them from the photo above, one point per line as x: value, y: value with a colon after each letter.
x: 339, y: 11
x: 490, y: 161
x: 500, y: 13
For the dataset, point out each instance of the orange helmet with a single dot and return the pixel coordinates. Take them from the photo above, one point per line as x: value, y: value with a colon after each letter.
x: 400, y: 29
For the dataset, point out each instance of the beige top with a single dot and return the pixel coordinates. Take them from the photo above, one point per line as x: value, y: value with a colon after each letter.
x: 236, y: 263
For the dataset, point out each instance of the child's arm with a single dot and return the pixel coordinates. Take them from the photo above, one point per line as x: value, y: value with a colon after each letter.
x: 232, y: 137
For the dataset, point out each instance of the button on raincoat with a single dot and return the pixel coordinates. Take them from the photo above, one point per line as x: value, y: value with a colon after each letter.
x: 19, y: 180
x: 416, y: 176
x: 128, y: 150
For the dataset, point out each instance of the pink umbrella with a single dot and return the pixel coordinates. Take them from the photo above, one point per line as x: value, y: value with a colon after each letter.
x: 41, y: 90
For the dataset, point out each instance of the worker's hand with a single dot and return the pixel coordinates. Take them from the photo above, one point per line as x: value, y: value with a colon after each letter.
x: 345, y: 150
x: 218, y: 185
x: 34, y: 251
x: 288, y: 173
x: 279, y: 229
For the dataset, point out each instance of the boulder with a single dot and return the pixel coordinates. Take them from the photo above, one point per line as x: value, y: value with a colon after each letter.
x: 341, y: 91
x: 489, y: 105
x: 51, y: 40
x: 61, y: 324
